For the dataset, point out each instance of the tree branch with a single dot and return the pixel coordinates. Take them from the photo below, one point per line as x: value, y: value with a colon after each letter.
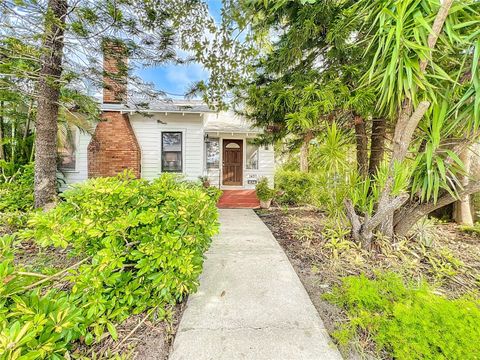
x: 382, y: 214
x: 436, y: 29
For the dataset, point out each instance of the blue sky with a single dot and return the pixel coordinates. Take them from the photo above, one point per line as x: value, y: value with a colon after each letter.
x: 176, y: 79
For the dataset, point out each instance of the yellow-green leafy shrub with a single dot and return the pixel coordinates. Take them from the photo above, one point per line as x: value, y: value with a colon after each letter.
x: 142, y: 246
x: 16, y: 192
x: 408, y: 322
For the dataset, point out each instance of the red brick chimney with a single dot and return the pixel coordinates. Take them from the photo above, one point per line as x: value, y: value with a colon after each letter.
x: 115, y: 72
x: 114, y: 147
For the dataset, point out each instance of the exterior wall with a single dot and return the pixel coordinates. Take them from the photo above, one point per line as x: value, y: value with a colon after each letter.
x: 149, y: 130
x: 266, y: 164
x: 266, y: 167
x: 113, y: 147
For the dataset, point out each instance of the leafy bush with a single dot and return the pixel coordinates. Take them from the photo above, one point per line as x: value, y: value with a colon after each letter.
x: 141, y: 246
x: 16, y: 193
x: 264, y: 192
x: 294, y: 187
x: 408, y: 322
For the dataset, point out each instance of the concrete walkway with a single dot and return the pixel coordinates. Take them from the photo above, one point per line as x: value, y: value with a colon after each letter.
x: 251, y: 303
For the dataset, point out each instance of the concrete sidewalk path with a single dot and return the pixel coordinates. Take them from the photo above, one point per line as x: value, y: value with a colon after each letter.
x: 251, y: 303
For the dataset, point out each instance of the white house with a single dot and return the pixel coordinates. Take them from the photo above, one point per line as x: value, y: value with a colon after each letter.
x: 184, y: 137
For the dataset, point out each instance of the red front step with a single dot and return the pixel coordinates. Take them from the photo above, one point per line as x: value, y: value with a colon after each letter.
x: 232, y: 199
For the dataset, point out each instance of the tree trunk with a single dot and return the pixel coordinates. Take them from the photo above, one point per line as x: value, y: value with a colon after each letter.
x: 47, y: 111
x: 362, y: 146
x: 377, y: 147
x: 463, y: 209
x: 413, y: 212
x: 2, y: 152
x: 304, y: 152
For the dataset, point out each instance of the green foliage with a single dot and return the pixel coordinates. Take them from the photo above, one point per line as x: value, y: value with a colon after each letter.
x: 330, y: 178
x: 141, y: 245
x: 475, y: 229
x: 264, y: 192
x: 16, y: 191
x: 365, y: 192
x: 443, y: 263
x: 408, y: 322
x: 332, y: 151
x: 426, y: 231
x: 294, y: 187
x: 337, y: 239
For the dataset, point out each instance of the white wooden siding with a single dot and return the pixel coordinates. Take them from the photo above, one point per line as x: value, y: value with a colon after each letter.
x: 148, y: 131
x: 81, y: 162
x: 266, y: 166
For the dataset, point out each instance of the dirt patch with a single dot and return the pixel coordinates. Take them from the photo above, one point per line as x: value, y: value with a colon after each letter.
x: 322, y: 255
x: 142, y: 337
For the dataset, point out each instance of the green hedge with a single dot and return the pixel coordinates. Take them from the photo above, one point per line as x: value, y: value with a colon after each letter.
x: 142, y: 247
x: 294, y: 187
x: 408, y: 322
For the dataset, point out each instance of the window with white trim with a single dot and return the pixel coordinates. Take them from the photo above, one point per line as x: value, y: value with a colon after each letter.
x: 212, y: 149
x: 67, y: 153
x: 252, y: 157
x: 172, y: 151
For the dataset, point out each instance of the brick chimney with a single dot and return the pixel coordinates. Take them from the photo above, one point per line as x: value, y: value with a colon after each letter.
x: 115, y: 72
x: 114, y: 146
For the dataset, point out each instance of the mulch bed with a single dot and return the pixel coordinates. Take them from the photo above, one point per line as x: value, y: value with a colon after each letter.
x: 451, y: 264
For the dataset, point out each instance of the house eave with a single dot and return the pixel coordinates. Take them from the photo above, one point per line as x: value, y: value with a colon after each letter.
x: 125, y: 109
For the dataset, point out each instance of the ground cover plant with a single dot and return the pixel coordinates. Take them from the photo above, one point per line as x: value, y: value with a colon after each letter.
x: 133, y: 247
x: 407, y: 321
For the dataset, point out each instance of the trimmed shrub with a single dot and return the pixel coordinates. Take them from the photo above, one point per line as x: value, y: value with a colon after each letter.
x: 141, y: 247
x: 408, y: 322
x: 294, y: 187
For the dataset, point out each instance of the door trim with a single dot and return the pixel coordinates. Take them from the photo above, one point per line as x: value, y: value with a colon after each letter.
x: 240, y: 142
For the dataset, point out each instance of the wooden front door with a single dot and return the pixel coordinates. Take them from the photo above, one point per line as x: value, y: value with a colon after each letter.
x: 233, y: 162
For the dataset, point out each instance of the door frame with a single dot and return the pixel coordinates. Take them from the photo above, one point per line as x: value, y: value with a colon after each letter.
x: 242, y: 157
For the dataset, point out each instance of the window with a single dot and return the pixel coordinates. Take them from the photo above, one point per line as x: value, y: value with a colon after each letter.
x: 213, y: 153
x: 171, y: 151
x: 67, y: 149
x: 252, y: 157
x: 232, y: 145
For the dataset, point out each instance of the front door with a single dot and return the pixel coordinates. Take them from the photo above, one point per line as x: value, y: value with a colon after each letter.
x: 232, y: 162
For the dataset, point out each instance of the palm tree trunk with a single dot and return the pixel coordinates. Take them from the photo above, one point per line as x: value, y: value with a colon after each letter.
x: 362, y: 145
x: 377, y: 145
x: 47, y: 111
